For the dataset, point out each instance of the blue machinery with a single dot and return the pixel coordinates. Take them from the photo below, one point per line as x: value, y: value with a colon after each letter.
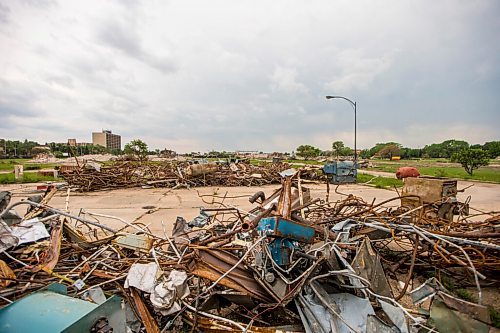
x: 341, y: 172
x: 51, y: 310
x: 283, y: 250
x: 285, y: 238
x: 285, y: 234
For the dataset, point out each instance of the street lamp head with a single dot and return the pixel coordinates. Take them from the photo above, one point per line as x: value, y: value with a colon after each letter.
x: 329, y: 97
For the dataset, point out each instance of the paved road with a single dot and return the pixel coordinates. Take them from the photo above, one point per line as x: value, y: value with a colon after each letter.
x: 132, y: 204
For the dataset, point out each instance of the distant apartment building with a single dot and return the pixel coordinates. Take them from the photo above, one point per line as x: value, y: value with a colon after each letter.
x: 107, y: 139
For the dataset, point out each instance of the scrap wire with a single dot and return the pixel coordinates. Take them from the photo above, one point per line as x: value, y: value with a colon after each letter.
x: 406, y: 234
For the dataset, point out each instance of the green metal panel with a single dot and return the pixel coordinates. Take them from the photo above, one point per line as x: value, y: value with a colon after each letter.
x: 50, y: 310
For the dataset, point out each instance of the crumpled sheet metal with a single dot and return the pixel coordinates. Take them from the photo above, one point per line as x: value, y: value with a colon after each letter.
x: 52, y: 253
x: 433, y: 287
x: 375, y: 325
x: 343, y: 228
x: 367, y: 264
x: 476, y: 311
x: 212, y: 263
x: 346, y: 260
x: 353, y: 310
x: 30, y: 231
x: 445, y: 319
x: 7, y: 240
x: 450, y: 314
x: 134, y: 242
x: 396, y: 315
x: 6, y: 273
x: 207, y: 325
x: 425, y: 291
x: 315, y: 317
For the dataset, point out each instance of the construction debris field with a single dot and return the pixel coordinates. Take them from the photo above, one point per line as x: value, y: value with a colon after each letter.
x: 150, y: 206
x: 293, y: 254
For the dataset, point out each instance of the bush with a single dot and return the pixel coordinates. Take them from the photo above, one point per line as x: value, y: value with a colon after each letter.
x: 471, y: 159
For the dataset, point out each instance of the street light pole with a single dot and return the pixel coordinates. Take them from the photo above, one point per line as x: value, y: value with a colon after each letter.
x: 353, y: 104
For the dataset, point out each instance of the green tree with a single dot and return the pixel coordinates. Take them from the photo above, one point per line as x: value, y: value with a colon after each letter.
x: 339, y: 149
x: 365, y: 153
x: 389, y: 151
x: 137, y: 148
x: 308, y: 151
x: 445, y: 149
x: 493, y: 148
x: 411, y: 153
x: 379, y: 146
x: 471, y: 159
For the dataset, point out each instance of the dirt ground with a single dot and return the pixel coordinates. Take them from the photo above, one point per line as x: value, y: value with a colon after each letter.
x: 152, y: 206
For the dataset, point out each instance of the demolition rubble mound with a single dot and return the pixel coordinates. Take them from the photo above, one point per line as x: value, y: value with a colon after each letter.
x: 173, y: 174
x: 291, y: 264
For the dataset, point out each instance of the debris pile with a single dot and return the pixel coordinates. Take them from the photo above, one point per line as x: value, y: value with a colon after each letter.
x: 173, y: 174
x: 291, y: 264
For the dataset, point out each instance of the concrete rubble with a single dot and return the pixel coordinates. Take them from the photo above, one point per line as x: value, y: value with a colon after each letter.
x: 293, y: 263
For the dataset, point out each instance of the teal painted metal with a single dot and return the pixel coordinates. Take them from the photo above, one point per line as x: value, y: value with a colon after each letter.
x: 341, y: 172
x: 286, y: 236
x: 280, y: 227
x: 281, y: 250
x: 51, y: 310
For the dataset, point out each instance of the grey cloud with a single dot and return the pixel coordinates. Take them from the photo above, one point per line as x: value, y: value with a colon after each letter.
x: 114, y: 35
x: 62, y: 80
x: 259, y: 84
x: 8, y: 113
x: 16, y: 100
x: 10, y: 110
x: 40, y: 3
x: 4, y: 13
x: 124, y: 39
x: 285, y: 79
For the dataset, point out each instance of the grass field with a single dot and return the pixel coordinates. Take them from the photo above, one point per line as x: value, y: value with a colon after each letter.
x: 379, y: 182
x: 8, y: 164
x: 31, y: 177
x: 442, y: 169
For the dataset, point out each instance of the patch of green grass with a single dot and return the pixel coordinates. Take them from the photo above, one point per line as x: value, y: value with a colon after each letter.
x: 494, y: 316
x: 8, y: 164
x: 258, y: 162
x: 483, y: 174
x: 379, y: 182
x: 31, y: 177
x: 441, y: 173
x: 465, y: 295
x: 304, y: 162
x: 443, y: 169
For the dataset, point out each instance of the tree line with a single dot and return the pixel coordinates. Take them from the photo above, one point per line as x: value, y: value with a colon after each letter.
x: 445, y: 149
x: 28, y: 149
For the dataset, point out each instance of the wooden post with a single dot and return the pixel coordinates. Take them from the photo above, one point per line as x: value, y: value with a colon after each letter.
x: 18, y: 171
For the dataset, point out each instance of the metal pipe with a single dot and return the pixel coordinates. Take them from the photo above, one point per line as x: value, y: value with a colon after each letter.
x: 57, y: 211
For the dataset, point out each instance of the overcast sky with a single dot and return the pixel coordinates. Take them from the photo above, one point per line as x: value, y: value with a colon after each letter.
x: 250, y: 75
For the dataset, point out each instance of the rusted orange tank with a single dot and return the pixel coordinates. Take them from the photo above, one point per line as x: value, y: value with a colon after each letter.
x: 405, y: 172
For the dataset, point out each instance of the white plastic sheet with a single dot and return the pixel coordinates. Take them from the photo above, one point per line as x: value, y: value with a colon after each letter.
x: 30, y: 231
x: 142, y: 276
